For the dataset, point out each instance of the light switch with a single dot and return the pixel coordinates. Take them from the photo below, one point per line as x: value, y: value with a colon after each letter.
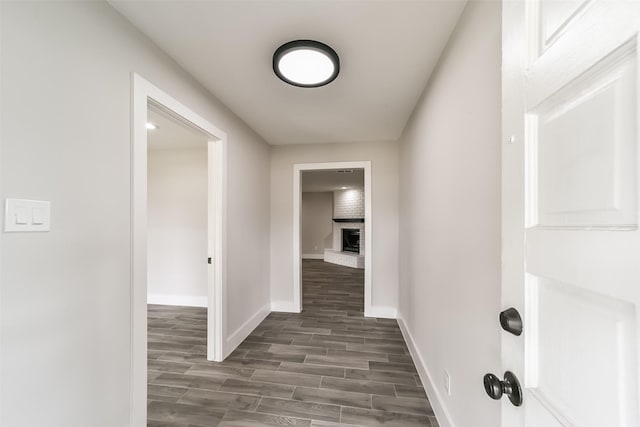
x: 22, y: 216
x: 27, y: 215
x: 37, y: 216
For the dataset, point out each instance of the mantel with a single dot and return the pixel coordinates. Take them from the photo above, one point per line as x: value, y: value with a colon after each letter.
x: 348, y: 219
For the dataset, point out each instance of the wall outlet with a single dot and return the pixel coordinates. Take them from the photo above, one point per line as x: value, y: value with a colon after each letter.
x: 447, y: 382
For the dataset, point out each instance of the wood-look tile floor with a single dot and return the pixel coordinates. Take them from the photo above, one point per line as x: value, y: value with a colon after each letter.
x: 327, y: 366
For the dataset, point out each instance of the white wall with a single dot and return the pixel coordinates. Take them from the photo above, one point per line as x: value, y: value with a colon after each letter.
x: 66, y: 104
x: 384, y: 169
x: 316, y: 224
x: 177, y: 194
x: 450, y: 221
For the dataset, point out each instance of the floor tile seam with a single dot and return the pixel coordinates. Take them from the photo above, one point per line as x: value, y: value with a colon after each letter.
x: 387, y: 412
x: 391, y: 372
x: 177, y: 387
x: 349, y: 406
x: 358, y: 379
x: 168, y: 361
x: 351, y: 391
x: 285, y: 384
x: 299, y: 401
x: 332, y: 366
x: 281, y: 416
x: 298, y: 348
x: 222, y: 391
x: 248, y: 394
x: 258, y: 405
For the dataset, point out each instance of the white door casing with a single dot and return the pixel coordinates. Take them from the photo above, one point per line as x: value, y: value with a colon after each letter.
x: 570, y: 190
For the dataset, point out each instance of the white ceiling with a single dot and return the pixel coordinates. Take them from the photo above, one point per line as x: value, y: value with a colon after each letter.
x: 171, y: 134
x: 387, y: 51
x: 331, y: 180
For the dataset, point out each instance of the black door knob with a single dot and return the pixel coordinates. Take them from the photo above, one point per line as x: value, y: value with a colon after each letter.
x: 511, y: 321
x: 509, y: 386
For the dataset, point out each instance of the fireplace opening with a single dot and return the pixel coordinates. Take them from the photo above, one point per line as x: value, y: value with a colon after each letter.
x: 351, y: 240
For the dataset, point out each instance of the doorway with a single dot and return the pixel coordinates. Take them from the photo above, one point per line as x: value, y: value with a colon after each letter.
x: 150, y: 101
x: 364, y: 227
x: 333, y: 240
x: 177, y: 213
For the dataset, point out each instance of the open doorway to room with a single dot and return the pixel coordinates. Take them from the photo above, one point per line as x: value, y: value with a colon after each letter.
x: 178, y: 238
x: 177, y: 216
x: 332, y: 240
x: 177, y: 246
x: 332, y: 236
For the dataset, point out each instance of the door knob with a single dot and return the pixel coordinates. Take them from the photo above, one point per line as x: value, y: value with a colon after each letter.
x: 509, y: 386
x: 511, y: 321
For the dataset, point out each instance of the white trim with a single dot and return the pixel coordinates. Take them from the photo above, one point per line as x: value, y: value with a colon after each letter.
x: 142, y: 92
x: 297, y: 197
x: 217, y: 311
x: 2, y: 220
x: 243, y: 331
x: 179, y: 300
x: 435, y: 398
x: 312, y: 256
x: 283, y: 307
x: 384, y: 312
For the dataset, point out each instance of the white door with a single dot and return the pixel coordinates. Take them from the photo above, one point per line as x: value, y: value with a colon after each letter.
x: 571, y: 245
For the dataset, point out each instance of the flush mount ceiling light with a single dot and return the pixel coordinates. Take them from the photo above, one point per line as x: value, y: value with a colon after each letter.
x: 152, y: 126
x: 306, y: 63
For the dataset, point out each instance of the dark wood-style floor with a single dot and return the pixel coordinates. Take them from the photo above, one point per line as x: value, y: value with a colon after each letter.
x: 327, y: 366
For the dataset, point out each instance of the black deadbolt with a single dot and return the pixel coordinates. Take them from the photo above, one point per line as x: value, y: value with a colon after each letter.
x: 511, y: 321
x: 510, y: 386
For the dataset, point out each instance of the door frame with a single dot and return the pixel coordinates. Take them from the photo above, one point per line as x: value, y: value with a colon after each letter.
x: 144, y: 92
x: 298, y: 168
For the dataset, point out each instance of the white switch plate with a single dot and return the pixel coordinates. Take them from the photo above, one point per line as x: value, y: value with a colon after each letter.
x: 27, y: 215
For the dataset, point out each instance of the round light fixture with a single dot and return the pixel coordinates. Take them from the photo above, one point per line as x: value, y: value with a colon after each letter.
x: 306, y: 63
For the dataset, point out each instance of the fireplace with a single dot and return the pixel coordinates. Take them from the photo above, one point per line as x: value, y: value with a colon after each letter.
x: 351, y: 240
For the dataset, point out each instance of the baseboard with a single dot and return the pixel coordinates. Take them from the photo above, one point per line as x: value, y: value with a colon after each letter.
x: 312, y: 256
x: 284, y: 307
x: 243, y: 331
x: 384, y: 312
x: 437, y: 403
x: 181, y: 300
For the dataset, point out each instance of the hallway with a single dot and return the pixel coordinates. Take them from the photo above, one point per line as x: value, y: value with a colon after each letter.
x: 327, y: 366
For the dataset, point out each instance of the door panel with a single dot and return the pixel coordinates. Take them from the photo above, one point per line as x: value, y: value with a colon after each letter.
x: 582, y: 170
x: 580, y: 353
x: 581, y: 166
x: 555, y: 17
x: 571, y: 245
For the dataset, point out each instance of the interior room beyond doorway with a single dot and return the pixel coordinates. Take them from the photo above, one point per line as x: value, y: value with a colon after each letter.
x: 177, y: 195
x: 333, y: 233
